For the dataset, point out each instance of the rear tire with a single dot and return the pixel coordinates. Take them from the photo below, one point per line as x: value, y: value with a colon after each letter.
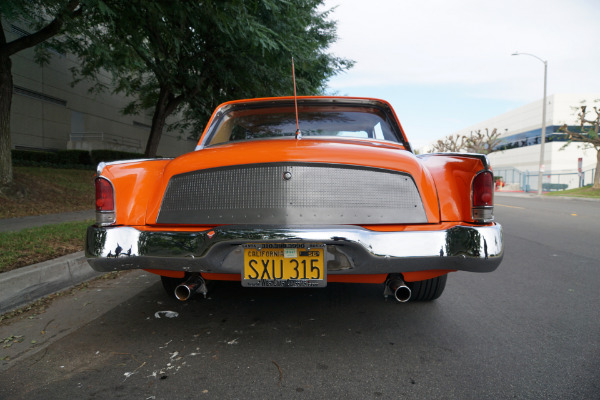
x: 427, y: 290
x: 171, y: 283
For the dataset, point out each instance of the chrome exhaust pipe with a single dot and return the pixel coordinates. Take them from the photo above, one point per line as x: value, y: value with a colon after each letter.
x: 395, y: 286
x: 196, y: 284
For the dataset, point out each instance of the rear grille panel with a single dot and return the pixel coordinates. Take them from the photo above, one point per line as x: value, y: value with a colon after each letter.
x: 313, y: 194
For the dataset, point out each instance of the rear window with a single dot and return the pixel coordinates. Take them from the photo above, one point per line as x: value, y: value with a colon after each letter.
x: 314, y: 121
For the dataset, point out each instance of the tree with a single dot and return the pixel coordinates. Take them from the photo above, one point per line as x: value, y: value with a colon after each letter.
x: 186, y: 56
x: 452, y: 143
x: 47, y: 18
x: 588, y: 135
x: 477, y: 142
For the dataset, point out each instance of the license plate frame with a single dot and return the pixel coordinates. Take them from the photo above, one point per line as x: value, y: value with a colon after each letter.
x: 284, y: 265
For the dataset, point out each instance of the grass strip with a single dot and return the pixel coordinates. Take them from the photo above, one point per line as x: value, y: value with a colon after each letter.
x: 34, y: 245
x: 586, y: 191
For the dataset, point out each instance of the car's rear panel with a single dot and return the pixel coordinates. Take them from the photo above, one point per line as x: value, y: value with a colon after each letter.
x: 289, y: 182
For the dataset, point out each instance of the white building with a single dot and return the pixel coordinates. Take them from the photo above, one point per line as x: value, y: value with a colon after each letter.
x: 521, y: 128
x: 49, y: 114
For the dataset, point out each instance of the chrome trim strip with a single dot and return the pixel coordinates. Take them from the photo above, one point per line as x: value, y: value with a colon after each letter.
x: 349, y: 249
x: 100, y: 168
x: 484, y: 214
x: 102, y: 164
x: 482, y: 157
x: 105, y: 218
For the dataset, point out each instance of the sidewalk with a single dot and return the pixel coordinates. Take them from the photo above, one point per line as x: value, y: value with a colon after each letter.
x: 514, y: 194
x: 530, y: 195
x: 17, y: 224
x: 27, y: 284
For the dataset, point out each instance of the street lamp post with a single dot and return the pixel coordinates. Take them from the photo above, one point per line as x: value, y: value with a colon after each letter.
x: 516, y: 53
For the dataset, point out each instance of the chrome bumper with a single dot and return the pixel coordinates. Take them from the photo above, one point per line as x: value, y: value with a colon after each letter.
x: 349, y: 250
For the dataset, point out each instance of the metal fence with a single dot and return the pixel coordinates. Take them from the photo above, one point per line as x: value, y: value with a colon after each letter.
x: 105, y: 138
x: 528, y: 181
x: 509, y: 175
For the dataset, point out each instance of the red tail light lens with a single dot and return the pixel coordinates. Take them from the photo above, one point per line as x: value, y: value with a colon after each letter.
x: 105, y: 202
x: 483, y: 189
x: 483, y: 197
x: 105, y: 196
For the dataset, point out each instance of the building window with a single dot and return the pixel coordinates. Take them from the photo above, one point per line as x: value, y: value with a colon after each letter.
x: 37, y: 95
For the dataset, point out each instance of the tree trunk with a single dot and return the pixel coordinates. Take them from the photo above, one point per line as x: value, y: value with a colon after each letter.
x: 6, y: 88
x: 158, y: 122
x: 166, y: 105
x: 597, y: 174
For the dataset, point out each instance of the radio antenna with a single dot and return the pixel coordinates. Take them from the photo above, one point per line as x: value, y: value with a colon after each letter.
x: 298, y: 133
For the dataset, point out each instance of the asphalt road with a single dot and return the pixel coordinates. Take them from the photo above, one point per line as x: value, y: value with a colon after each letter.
x: 529, y: 330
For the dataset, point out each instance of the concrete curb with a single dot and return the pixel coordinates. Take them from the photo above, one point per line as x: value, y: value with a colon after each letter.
x: 27, y: 284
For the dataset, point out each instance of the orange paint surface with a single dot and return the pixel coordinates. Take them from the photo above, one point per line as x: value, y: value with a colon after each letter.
x: 453, y: 176
x: 168, y: 273
x: 221, y: 277
x: 423, y: 275
x: 134, y: 185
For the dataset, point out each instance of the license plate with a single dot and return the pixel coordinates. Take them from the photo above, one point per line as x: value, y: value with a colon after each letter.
x: 284, y: 265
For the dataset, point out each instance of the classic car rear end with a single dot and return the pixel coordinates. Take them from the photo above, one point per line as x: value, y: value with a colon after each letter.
x: 343, y: 199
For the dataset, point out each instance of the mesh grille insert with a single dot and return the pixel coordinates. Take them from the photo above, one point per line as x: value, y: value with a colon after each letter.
x: 314, y: 193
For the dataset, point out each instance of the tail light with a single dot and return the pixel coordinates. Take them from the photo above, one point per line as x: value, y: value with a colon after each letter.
x: 483, y: 197
x: 105, y: 202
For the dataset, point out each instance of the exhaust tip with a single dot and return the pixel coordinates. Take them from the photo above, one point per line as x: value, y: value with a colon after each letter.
x: 195, y: 284
x: 402, y: 294
x: 395, y: 286
x: 183, y: 292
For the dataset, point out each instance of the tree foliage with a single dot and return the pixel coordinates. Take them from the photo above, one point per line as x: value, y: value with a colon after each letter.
x: 587, y: 134
x: 45, y: 19
x: 186, y: 57
x: 450, y: 144
x: 476, y: 142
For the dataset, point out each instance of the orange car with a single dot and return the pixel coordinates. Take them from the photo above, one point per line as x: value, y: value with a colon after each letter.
x: 285, y: 192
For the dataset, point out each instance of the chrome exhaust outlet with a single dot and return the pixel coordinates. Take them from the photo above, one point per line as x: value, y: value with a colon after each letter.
x: 196, y: 284
x: 395, y: 286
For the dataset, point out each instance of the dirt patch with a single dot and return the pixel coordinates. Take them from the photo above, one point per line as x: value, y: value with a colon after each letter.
x: 39, y: 191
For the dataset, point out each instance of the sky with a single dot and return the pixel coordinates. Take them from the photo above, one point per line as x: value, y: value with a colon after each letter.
x: 447, y: 65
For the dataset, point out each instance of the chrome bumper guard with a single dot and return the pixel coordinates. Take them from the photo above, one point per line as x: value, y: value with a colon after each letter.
x: 349, y: 250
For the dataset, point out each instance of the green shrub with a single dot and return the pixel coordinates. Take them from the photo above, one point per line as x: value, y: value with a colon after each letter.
x: 75, y: 159
x: 70, y: 159
x: 81, y: 157
x: 28, y: 156
x: 554, y: 186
